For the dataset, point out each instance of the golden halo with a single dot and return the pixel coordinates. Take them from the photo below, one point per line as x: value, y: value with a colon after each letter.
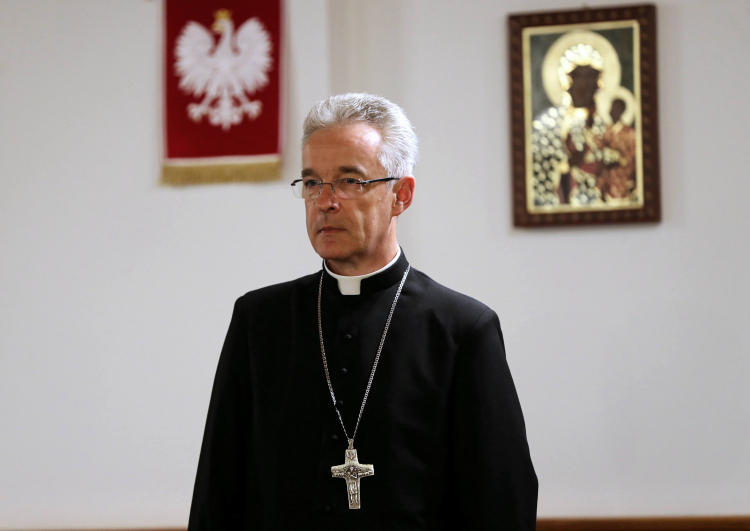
x: 604, y: 104
x: 611, y: 72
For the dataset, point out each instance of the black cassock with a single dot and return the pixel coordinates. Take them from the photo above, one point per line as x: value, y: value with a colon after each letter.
x: 442, y: 427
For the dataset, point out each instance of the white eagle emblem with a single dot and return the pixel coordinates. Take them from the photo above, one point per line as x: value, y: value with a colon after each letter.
x: 224, y: 72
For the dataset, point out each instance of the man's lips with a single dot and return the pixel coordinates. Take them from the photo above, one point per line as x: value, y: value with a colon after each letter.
x: 329, y: 230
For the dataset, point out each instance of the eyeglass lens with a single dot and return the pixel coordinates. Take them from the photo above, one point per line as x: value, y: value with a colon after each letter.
x: 345, y: 188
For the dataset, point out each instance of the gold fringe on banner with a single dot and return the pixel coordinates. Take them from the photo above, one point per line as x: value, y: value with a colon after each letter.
x: 245, y: 172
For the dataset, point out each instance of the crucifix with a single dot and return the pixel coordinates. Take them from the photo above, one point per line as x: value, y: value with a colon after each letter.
x: 352, y: 471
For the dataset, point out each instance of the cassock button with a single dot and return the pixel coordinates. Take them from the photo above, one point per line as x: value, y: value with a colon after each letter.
x: 334, y: 437
x: 347, y: 337
x: 328, y: 508
x: 343, y: 370
x: 340, y: 402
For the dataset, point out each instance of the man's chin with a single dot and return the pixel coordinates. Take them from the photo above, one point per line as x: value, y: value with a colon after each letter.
x: 332, y: 250
x: 333, y: 254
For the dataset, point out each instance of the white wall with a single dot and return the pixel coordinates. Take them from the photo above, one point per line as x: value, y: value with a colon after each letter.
x: 628, y: 344
x: 116, y: 293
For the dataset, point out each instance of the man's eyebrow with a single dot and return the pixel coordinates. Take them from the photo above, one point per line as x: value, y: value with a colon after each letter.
x: 309, y: 172
x: 351, y: 169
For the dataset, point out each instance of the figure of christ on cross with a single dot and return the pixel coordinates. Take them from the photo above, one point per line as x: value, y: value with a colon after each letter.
x: 352, y: 471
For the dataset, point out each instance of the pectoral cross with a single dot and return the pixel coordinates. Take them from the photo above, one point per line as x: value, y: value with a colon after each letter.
x: 352, y: 471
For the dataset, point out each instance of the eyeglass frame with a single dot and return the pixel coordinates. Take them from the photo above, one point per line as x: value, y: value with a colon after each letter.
x: 333, y: 190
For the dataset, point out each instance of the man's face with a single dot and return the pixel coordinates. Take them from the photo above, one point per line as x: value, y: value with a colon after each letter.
x: 354, y: 228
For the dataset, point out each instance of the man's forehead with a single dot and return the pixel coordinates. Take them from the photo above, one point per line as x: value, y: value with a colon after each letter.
x: 345, y: 149
x: 357, y: 136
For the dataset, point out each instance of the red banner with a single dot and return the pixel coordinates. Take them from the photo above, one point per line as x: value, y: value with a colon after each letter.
x: 222, y: 116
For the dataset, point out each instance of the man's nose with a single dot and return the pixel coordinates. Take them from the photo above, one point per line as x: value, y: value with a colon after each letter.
x: 327, y: 201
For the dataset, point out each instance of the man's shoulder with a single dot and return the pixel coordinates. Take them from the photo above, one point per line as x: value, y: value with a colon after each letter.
x: 280, y: 293
x: 449, y: 301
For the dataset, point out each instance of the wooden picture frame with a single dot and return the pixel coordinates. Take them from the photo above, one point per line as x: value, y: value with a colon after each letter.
x: 584, y: 116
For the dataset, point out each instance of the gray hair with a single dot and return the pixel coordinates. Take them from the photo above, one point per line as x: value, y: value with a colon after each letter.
x: 398, y: 151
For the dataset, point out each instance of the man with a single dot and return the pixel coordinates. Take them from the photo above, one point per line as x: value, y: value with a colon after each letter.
x: 366, y: 395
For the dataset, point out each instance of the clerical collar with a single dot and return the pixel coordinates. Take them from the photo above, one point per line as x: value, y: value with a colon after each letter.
x: 352, y: 285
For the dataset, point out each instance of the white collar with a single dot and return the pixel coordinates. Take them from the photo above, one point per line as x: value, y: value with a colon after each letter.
x: 349, y: 285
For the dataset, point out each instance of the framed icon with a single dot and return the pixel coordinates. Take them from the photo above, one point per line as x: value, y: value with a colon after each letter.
x: 584, y: 116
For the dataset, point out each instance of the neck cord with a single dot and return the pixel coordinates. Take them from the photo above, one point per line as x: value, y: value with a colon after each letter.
x: 374, y: 365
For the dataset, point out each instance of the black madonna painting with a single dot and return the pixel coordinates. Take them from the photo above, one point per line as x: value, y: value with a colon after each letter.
x: 583, y: 90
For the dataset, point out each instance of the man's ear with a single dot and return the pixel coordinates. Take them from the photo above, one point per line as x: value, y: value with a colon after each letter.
x: 403, y: 194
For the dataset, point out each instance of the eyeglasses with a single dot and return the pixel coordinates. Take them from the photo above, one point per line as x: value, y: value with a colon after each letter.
x: 343, y: 188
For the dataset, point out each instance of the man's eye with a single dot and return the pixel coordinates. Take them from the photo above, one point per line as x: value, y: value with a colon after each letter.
x: 310, y: 183
x: 348, y: 180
